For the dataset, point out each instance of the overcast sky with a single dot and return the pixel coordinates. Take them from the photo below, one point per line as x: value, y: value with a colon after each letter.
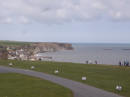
x: 97, y: 21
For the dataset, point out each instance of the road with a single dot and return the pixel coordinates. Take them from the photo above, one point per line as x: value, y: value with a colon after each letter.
x: 79, y: 89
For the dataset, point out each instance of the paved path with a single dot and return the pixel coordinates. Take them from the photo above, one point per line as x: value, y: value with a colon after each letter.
x: 79, y: 89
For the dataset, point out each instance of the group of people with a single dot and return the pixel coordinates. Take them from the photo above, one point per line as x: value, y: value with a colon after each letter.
x: 121, y: 63
x: 90, y: 62
x: 124, y: 63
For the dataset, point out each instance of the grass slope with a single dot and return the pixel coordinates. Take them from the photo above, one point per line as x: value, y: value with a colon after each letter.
x: 13, y: 43
x: 17, y: 85
x: 100, y: 76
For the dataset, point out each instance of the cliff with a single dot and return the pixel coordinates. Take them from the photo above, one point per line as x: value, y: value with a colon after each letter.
x: 50, y: 47
x: 36, y: 47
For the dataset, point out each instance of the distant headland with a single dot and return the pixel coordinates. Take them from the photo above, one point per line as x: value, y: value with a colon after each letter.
x: 27, y: 50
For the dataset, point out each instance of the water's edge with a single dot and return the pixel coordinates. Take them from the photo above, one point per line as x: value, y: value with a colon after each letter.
x: 102, y: 53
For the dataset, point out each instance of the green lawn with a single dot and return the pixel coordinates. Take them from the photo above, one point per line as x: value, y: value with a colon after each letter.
x: 100, y: 76
x: 17, y: 85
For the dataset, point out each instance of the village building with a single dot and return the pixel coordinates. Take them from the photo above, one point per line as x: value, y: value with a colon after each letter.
x: 3, y: 53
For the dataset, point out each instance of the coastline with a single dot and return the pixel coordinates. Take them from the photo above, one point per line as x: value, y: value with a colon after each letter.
x: 104, y: 54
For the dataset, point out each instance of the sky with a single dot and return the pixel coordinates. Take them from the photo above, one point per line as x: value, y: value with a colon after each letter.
x: 81, y: 21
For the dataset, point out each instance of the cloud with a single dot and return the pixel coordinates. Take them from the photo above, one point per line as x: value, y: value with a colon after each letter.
x: 60, y: 11
x: 6, y: 20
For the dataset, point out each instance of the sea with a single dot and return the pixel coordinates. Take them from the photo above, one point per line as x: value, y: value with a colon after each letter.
x: 109, y: 54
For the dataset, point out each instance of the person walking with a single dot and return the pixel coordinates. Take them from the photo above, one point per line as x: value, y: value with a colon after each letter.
x: 120, y: 64
x: 124, y: 63
x: 95, y: 61
x: 87, y: 62
x: 127, y: 63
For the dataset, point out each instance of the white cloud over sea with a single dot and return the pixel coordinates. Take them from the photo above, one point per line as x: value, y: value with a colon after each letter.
x: 60, y: 11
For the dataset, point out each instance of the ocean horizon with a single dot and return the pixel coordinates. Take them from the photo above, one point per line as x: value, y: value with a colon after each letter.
x: 103, y: 53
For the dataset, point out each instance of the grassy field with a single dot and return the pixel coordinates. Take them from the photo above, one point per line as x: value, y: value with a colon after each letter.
x: 17, y: 85
x: 13, y: 43
x: 100, y: 76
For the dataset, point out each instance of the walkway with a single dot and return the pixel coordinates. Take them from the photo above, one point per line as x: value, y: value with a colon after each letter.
x: 79, y: 89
